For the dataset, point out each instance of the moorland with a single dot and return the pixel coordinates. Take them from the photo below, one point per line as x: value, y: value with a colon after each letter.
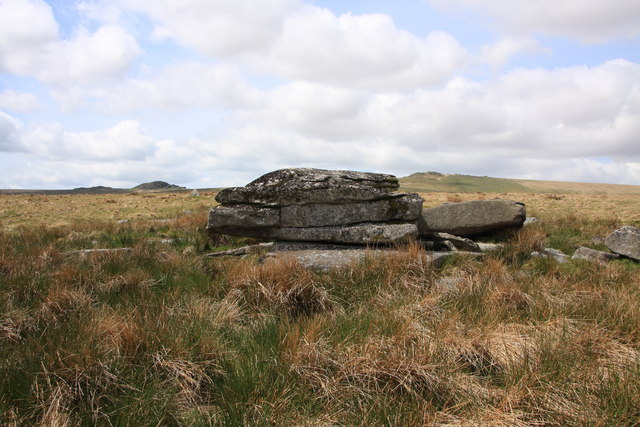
x: 160, y: 333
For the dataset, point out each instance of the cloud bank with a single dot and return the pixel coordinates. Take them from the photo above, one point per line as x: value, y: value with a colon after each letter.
x: 204, y: 94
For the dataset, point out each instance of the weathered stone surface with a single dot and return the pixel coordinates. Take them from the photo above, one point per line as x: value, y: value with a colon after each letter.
x: 301, y: 186
x: 281, y: 246
x: 245, y: 250
x: 472, y: 218
x: 625, y: 241
x: 85, y: 252
x: 362, y: 234
x: 593, y: 255
x: 446, y: 241
x: 559, y: 256
x: 242, y: 217
x: 400, y: 207
x: 331, y: 260
x: 490, y: 247
x: 323, y: 260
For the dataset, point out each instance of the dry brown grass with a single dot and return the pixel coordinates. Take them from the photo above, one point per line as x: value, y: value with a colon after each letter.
x: 281, y: 284
x: 62, y: 210
x: 59, y: 210
x: 164, y: 335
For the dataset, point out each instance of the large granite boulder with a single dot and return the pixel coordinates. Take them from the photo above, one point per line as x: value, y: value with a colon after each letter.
x: 472, y: 218
x: 300, y: 186
x: 314, y: 205
x: 397, y: 207
x: 625, y: 241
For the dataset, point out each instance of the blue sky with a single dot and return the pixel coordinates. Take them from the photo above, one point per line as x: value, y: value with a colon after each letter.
x: 207, y: 93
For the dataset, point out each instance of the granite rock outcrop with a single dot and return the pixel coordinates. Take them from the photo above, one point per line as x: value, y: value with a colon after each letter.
x: 317, y: 205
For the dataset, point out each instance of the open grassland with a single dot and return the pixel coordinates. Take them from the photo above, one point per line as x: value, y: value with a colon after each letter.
x: 161, y: 335
x: 66, y: 209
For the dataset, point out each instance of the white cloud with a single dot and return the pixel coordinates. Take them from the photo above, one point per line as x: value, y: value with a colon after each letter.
x: 102, y: 11
x: 125, y: 141
x: 358, y: 92
x: 366, y: 51
x: 183, y: 85
x: 504, y: 127
x: 557, y: 123
x: 586, y: 20
x: 499, y: 53
x: 302, y: 42
x: 36, y: 49
x: 28, y: 171
x: 88, y: 58
x: 217, y: 27
x: 315, y: 110
x: 19, y: 102
x: 26, y: 26
x: 9, y: 133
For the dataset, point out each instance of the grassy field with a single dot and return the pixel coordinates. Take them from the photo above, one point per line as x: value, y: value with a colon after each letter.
x: 66, y: 209
x: 159, y: 334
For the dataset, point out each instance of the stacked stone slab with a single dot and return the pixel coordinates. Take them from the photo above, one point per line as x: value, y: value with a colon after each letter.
x: 472, y: 218
x: 315, y: 205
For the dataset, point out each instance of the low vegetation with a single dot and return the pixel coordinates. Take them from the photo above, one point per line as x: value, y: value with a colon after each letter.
x: 162, y: 335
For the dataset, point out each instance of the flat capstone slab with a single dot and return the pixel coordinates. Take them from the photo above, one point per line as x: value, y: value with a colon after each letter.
x: 303, y: 185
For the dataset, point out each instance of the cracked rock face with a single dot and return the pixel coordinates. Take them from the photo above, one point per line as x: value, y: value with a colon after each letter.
x: 315, y: 205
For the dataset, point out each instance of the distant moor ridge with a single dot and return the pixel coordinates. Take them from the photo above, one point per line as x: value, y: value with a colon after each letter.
x: 155, y: 186
x: 420, y: 182
x: 454, y: 183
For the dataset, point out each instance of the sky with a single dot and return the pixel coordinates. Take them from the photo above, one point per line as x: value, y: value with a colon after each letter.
x: 212, y: 93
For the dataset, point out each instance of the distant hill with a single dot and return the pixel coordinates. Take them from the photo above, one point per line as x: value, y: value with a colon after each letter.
x: 424, y: 182
x: 421, y: 182
x: 80, y: 190
x: 100, y: 189
x: 158, y: 185
x: 155, y: 186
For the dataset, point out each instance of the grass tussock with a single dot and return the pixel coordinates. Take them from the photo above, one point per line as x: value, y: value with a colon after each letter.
x: 278, y: 285
x: 161, y: 335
